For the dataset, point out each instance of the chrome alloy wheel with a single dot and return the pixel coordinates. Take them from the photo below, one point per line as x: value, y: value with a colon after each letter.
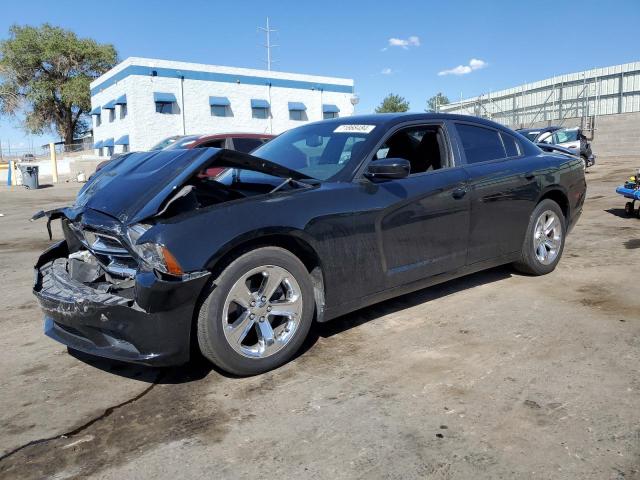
x: 262, y: 311
x: 547, y: 237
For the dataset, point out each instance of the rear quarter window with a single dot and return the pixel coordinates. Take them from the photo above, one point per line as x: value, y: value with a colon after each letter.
x: 245, y: 145
x: 511, y: 145
x: 480, y: 144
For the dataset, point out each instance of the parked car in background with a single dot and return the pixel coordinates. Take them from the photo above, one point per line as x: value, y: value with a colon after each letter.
x: 166, y: 142
x: 570, y: 138
x: 331, y: 217
x: 240, y: 142
x: 28, y: 157
x: 534, y: 134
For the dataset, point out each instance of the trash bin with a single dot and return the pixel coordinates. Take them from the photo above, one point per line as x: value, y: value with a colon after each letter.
x: 29, y: 175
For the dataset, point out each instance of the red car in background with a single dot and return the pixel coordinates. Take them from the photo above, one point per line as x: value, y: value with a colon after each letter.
x: 241, y: 142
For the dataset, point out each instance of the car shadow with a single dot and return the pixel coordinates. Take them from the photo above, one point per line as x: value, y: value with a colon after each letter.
x: 198, y: 368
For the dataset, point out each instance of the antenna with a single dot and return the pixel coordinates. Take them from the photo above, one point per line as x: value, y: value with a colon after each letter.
x: 268, y: 31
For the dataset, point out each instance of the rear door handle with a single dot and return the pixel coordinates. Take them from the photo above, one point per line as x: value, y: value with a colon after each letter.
x: 459, y: 192
x: 529, y: 176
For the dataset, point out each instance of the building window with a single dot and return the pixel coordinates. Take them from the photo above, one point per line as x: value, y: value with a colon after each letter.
x: 98, y: 120
x: 260, y: 112
x: 296, y: 115
x: 165, y: 102
x: 125, y: 148
x: 112, y: 115
x: 123, y: 110
x: 330, y: 110
x: 165, y: 107
x: 219, y: 110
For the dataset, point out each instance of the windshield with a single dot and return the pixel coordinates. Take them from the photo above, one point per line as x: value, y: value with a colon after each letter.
x: 164, y: 143
x: 564, y: 136
x: 530, y: 135
x: 319, y: 151
x: 182, y: 142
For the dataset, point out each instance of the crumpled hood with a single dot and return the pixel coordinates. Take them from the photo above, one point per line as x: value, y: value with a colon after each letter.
x: 135, y: 186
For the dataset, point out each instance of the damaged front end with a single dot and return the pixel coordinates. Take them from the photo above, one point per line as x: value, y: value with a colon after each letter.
x: 101, y: 302
x: 112, y: 287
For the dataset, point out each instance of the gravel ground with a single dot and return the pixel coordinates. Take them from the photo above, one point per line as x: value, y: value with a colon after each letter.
x: 494, y: 375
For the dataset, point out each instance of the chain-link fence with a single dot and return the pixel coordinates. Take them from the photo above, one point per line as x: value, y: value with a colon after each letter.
x: 41, y: 152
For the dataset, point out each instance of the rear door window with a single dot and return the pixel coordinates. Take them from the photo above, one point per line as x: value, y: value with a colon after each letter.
x: 480, y: 144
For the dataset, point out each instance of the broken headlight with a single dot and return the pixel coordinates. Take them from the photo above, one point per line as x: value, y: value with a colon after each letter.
x: 153, y: 254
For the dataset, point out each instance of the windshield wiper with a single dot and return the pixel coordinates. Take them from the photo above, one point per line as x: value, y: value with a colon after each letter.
x: 307, y: 183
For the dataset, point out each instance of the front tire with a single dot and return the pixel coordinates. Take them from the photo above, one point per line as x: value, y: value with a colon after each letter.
x: 544, y: 241
x: 258, y: 314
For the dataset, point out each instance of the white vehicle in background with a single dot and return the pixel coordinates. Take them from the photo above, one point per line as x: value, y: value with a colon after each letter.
x: 572, y: 139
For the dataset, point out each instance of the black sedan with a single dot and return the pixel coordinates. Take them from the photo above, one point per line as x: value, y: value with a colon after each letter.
x: 159, y: 258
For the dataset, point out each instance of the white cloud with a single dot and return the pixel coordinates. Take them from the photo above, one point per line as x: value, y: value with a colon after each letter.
x: 386, y: 71
x: 474, y: 64
x: 477, y: 64
x: 411, y: 41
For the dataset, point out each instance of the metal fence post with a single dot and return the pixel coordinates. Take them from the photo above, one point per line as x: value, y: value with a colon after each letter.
x: 54, y: 162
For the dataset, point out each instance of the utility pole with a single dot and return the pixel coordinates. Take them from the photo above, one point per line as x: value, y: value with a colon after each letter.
x: 268, y: 31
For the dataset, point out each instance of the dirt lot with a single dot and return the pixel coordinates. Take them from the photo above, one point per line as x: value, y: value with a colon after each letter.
x: 496, y: 375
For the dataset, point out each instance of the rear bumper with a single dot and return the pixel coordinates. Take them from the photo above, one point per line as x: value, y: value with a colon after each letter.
x: 152, y: 328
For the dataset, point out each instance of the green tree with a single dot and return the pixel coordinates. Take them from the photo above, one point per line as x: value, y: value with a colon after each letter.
x: 435, y: 102
x: 393, y: 103
x: 45, y: 74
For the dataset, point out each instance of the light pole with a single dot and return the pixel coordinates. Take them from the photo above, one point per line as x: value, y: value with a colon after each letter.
x: 354, y: 101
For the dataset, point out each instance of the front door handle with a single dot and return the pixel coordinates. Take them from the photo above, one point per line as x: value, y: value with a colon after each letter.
x: 529, y: 176
x: 459, y: 192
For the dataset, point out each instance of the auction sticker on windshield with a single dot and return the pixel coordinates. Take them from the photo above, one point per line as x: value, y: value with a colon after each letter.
x: 354, y: 129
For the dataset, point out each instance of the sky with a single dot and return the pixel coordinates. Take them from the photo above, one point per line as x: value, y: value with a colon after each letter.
x: 411, y: 48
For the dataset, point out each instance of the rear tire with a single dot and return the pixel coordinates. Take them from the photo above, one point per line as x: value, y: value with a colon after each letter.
x: 628, y: 208
x: 258, y: 313
x: 544, y: 240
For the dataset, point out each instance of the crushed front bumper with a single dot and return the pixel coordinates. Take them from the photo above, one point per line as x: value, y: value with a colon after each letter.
x: 152, y: 328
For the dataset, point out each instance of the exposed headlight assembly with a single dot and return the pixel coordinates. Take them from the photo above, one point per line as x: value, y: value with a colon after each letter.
x: 154, y: 255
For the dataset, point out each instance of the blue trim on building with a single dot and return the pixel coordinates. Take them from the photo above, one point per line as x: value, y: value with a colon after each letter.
x: 123, y: 140
x: 163, y: 97
x: 259, y: 103
x: 219, y: 101
x: 110, y: 105
x: 297, y: 107
x: 217, y: 77
x: 121, y: 100
x: 108, y: 142
x: 95, y: 111
x: 330, y: 108
x: 98, y: 144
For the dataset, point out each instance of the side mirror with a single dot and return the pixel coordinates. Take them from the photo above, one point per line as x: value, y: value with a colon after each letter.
x: 388, y: 168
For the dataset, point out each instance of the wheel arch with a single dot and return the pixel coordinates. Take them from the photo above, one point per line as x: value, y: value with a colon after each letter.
x: 294, y: 241
x: 559, y: 195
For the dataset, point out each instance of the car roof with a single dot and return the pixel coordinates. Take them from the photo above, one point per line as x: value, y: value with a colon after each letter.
x: 551, y: 128
x: 215, y: 136
x: 387, y: 120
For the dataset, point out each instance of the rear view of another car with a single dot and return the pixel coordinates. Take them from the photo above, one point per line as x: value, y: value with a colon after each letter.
x: 574, y: 140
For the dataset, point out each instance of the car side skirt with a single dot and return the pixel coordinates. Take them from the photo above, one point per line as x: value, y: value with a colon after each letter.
x: 336, y: 311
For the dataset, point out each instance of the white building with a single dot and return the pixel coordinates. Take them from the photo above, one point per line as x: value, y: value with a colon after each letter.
x: 142, y: 101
